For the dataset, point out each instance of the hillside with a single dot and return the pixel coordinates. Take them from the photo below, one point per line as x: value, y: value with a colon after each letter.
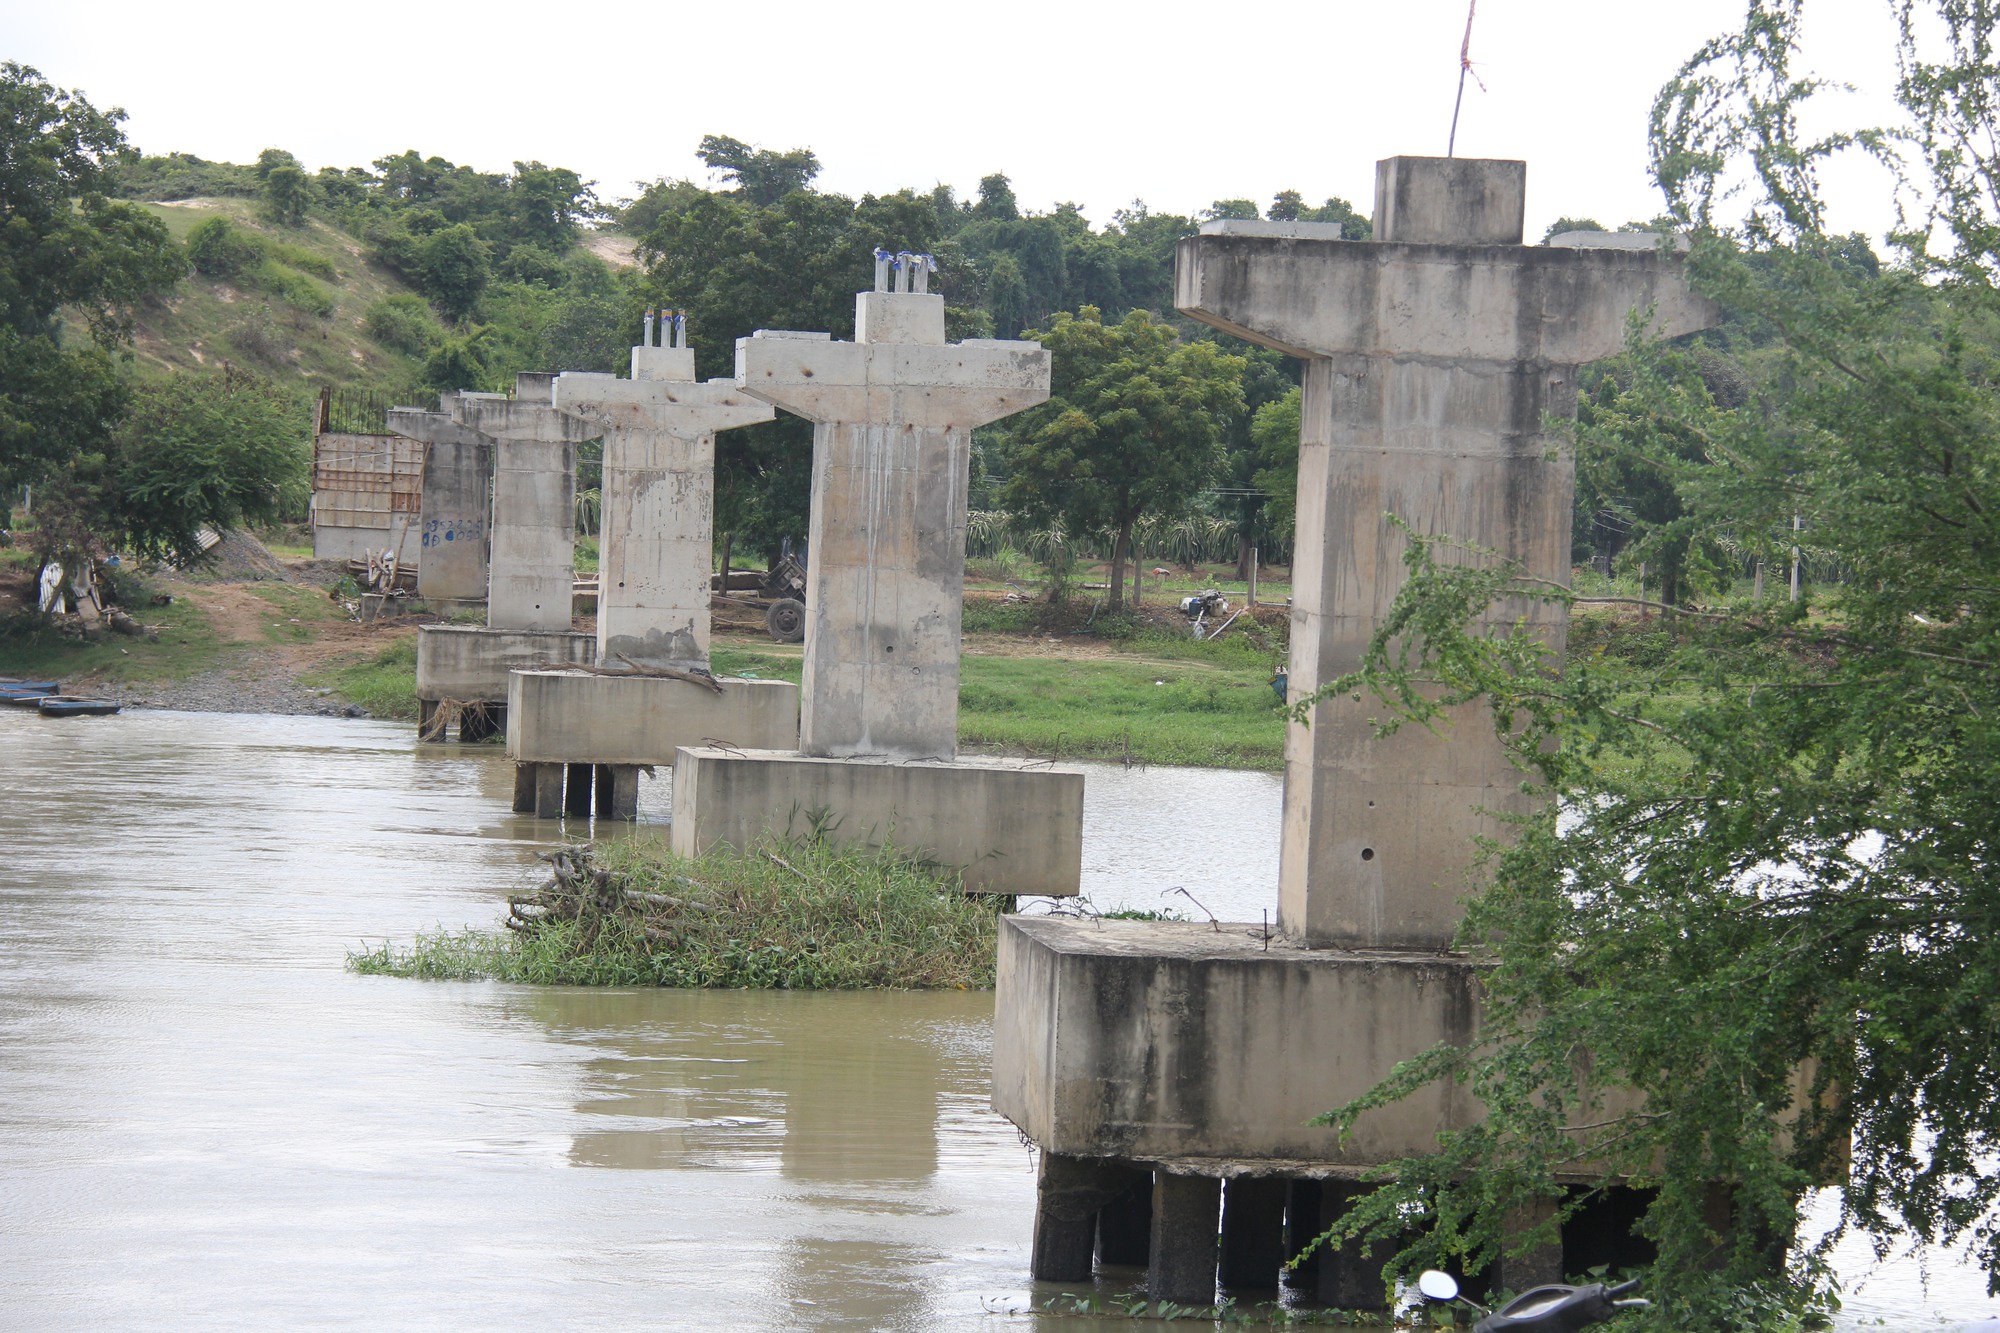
x: 302, y: 310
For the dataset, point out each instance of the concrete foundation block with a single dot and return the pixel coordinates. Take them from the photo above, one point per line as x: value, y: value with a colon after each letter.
x: 1253, y: 1231
x: 576, y: 716
x: 470, y: 664
x: 1011, y: 829
x: 1184, y: 1229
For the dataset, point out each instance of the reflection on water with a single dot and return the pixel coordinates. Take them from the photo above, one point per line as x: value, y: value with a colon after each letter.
x: 205, y: 1121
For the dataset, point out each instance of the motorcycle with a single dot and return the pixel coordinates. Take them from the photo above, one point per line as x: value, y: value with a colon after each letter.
x: 1551, y: 1309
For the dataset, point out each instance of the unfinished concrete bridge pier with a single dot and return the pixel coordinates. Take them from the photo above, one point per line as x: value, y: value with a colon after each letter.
x: 876, y: 763
x: 580, y: 737
x: 532, y: 567
x: 1169, y: 1071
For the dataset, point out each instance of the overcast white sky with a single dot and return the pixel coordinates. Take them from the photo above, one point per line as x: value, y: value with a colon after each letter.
x: 1085, y: 100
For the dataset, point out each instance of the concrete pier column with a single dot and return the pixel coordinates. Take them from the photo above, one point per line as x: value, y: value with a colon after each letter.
x: 1182, y: 1269
x: 1301, y: 1226
x: 1125, y: 1225
x: 426, y: 715
x: 580, y: 781
x: 618, y: 791
x: 548, y: 791
x: 601, y: 790
x: 524, y: 789
x: 1434, y: 355
x: 893, y: 415
x: 1253, y: 1231
x: 532, y: 531
x: 658, y: 523
x: 1067, y: 1196
x: 1349, y: 1278
x: 1542, y: 1264
x: 451, y: 559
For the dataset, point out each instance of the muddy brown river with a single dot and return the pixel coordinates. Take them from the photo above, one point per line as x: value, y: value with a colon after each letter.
x: 206, y: 1121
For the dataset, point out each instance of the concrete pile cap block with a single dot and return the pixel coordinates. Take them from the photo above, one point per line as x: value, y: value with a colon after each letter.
x: 471, y: 664
x: 1011, y: 827
x: 558, y: 716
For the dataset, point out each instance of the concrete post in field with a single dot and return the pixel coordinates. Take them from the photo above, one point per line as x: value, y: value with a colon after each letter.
x: 651, y: 692
x: 893, y: 415
x: 1433, y: 355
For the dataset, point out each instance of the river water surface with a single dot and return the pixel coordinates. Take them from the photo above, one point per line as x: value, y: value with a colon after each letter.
x: 206, y: 1121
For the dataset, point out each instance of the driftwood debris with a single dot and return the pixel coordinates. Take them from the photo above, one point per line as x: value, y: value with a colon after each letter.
x: 578, y: 890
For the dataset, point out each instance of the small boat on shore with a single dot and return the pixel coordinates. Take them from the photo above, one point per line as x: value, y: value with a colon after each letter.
x: 71, y: 705
x: 27, y: 693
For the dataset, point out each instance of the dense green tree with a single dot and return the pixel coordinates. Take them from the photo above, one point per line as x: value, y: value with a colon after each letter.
x: 1753, y: 941
x: 1231, y: 208
x: 548, y: 206
x: 199, y: 450
x: 287, y: 193
x: 455, y: 266
x: 1275, y: 432
x: 1134, y: 425
x: 762, y: 175
x: 64, y: 247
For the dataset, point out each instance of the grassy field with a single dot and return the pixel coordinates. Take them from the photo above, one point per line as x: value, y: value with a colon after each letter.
x: 384, y: 683
x: 1158, y: 698
x: 301, y: 311
x: 786, y: 916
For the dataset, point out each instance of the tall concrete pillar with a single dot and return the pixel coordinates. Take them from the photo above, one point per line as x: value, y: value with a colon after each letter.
x: 893, y: 415
x: 1182, y: 1267
x: 1433, y: 356
x: 456, y: 500
x: 533, y: 526
x: 658, y: 512
x: 534, y: 501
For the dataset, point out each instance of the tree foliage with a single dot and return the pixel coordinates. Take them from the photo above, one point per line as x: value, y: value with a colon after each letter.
x: 1134, y: 425
x: 1761, y: 896
x: 65, y: 246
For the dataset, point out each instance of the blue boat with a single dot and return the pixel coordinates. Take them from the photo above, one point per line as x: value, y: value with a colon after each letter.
x: 70, y: 705
x: 28, y: 693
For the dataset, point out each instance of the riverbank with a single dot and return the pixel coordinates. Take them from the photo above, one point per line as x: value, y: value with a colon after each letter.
x: 1069, y: 683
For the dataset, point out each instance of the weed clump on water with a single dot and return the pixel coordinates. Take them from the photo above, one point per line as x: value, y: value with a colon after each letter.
x: 787, y: 916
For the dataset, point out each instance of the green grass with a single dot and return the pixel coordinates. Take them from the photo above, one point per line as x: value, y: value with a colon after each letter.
x: 299, y: 313
x: 1160, y: 713
x: 295, y: 611
x: 385, y: 684
x: 787, y: 916
x: 29, y: 646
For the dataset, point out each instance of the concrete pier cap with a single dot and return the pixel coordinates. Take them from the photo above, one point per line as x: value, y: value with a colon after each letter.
x: 1433, y: 354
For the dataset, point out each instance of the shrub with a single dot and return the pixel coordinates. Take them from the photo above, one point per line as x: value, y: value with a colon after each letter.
x: 296, y: 289
x: 405, y: 323
x: 218, y: 249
